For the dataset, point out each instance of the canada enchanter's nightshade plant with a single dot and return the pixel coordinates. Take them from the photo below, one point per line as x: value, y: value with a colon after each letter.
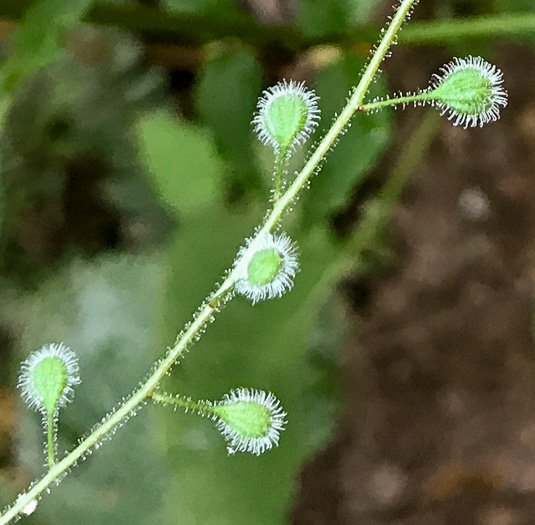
x: 470, y: 91
x: 287, y: 114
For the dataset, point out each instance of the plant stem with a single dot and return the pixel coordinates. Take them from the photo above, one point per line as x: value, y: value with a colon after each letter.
x: 177, y: 401
x: 51, y: 460
x: 205, y: 314
x: 187, y: 404
x: 280, y: 164
x: 442, y: 31
x: 417, y: 97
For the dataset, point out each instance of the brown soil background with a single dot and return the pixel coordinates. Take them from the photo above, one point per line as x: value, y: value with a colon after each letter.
x: 440, y: 372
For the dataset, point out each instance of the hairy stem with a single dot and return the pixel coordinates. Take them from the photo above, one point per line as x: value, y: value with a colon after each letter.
x: 280, y: 164
x: 50, y: 434
x: 431, y: 33
x: 388, y: 102
x: 186, y: 404
x: 205, y: 314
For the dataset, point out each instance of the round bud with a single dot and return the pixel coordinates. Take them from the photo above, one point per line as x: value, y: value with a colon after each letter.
x: 265, y: 267
x: 286, y: 115
x: 47, y: 378
x: 469, y: 90
x: 249, y: 420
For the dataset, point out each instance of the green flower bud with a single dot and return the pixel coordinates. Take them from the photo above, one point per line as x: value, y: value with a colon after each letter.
x: 249, y: 420
x: 469, y: 90
x: 266, y: 267
x: 287, y: 115
x: 47, y: 378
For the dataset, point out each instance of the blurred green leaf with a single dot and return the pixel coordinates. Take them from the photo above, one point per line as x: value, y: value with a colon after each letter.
x: 229, y: 86
x: 514, y: 5
x: 38, y: 41
x: 104, y: 310
x: 68, y: 136
x: 181, y: 160
x: 317, y: 17
x: 199, y: 6
x: 367, y: 137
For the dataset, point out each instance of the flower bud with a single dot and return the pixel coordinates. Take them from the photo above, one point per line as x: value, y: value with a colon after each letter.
x: 47, y: 378
x: 249, y: 420
x: 469, y: 90
x: 265, y: 267
x: 286, y: 116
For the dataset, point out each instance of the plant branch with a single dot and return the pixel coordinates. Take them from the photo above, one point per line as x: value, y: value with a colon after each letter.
x: 441, y: 31
x: 186, y: 404
x: 210, y: 307
x: 388, y: 102
x: 50, y: 440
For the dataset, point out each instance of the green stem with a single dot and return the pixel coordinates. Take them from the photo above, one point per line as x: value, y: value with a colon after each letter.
x: 442, y: 31
x: 187, y: 404
x: 51, y: 427
x: 390, y: 194
x: 218, y: 298
x: 417, y: 97
x: 280, y: 165
x: 205, y: 314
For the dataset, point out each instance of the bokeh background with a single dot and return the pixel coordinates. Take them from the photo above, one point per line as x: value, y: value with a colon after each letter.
x: 129, y: 178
